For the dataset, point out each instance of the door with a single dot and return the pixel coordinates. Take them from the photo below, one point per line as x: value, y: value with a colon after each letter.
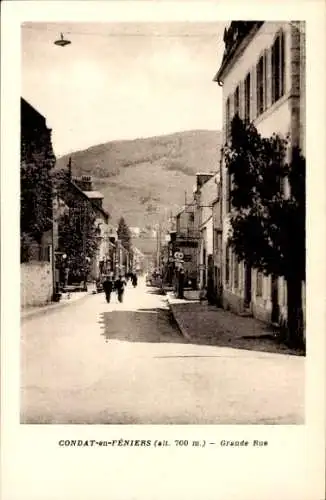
x: 247, y: 286
x: 274, y: 298
x: 204, y: 281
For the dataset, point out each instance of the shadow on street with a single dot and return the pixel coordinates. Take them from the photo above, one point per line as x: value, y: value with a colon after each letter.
x: 158, y: 325
x: 141, y: 325
x: 207, y: 325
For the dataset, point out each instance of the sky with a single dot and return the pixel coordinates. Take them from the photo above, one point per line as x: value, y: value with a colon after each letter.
x: 122, y: 80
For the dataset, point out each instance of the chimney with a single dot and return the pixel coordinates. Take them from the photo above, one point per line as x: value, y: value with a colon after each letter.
x: 87, y: 183
x: 84, y: 183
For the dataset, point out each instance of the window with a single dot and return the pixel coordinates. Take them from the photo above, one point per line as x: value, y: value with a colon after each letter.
x: 191, y: 225
x: 227, y: 118
x: 237, y: 101
x: 247, y: 98
x: 228, y: 191
x: 227, y: 264
x: 278, y: 64
x: 259, y: 284
x: 235, y: 272
x: 261, y: 84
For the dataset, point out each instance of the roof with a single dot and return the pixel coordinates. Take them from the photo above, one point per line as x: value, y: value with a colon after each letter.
x: 94, y: 194
x: 30, y: 116
x: 191, y: 204
x: 83, y: 193
x: 237, y: 32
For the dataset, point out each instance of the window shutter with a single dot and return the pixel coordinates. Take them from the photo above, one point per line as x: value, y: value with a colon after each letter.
x: 253, y: 94
x: 268, y: 62
x: 265, y: 80
x: 241, y: 100
x: 282, y: 63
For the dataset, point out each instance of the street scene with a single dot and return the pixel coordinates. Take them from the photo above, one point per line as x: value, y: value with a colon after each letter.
x: 128, y: 363
x: 162, y: 243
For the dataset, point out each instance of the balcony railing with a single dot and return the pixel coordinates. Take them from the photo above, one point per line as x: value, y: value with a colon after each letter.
x: 188, y: 233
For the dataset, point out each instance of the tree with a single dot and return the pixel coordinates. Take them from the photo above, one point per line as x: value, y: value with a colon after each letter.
x: 78, y: 234
x: 267, y: 226
x: 36, y: 164
x: 124, y: 234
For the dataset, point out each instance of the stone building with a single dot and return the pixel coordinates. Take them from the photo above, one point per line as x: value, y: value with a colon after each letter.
x: 263, y: 78
x: 36, y: 208
x: 186, y: 241
x: 84, y: 215
x: 95, y: 198
x: 205, y: 195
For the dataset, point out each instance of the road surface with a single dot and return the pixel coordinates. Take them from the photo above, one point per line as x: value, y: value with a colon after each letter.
x: 96, y: 363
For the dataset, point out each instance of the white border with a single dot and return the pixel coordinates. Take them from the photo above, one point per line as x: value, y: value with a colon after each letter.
x: 33, y: 467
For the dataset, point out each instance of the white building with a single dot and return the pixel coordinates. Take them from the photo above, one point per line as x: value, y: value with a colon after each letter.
x: 263, y: 79
x: 206, y: 195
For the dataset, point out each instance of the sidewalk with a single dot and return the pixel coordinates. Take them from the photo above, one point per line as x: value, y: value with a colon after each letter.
x: 208, y: 325
x: 66, y: 299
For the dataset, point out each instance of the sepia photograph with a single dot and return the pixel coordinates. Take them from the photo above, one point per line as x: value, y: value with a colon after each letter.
x: 162, y: 250
x: 162, y: 222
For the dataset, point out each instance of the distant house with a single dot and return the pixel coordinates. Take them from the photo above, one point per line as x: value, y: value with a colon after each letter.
x: 208, y: 221
x: 185, y: 239
x: 95, y: 198
x: 36, y: 204
x: 83, y: 202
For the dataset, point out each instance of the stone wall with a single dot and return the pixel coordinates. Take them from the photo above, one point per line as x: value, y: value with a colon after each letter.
x: 35, y: 283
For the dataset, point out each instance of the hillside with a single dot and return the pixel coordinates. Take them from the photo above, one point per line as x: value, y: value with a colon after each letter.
x: 145, y: 179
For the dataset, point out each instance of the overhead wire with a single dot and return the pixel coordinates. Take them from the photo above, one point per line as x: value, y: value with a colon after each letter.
x: 50, y: 27
x: 122, y: 34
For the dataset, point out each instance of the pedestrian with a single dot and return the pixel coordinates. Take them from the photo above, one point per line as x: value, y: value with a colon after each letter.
x: 119, y: 286
x: 211, y: 294
x: 134, y: 280
x: 107, y: 287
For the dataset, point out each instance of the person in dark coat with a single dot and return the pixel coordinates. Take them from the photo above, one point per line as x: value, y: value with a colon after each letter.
x: 119, y: 286
x: 134, y: 279
x: 107, y: 287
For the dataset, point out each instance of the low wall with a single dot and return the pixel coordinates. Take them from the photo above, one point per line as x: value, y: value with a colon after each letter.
x: 35, y: 283
x: 261, y: 311
x: 232, y: 302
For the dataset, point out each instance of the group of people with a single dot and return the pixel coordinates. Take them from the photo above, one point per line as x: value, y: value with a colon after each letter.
x: 133, y: 278
x: 118, y: 285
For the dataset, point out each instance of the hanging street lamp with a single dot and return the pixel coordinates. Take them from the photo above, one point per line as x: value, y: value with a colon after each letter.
x: 62, y: 42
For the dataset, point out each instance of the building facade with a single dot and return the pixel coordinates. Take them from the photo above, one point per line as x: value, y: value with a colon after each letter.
x: 98, y: 264
x: 36, y: 203
x: 85, y: 216
x: 263, y: 79
x: 186, y: 241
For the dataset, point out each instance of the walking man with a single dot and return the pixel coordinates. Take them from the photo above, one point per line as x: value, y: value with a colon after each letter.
x: 107, y: 287
x: 119, y: 286
x: 134, y: 279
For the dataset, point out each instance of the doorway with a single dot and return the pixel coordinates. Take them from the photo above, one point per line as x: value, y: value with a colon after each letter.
x: 274, y: 298
x: 247, y: 287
